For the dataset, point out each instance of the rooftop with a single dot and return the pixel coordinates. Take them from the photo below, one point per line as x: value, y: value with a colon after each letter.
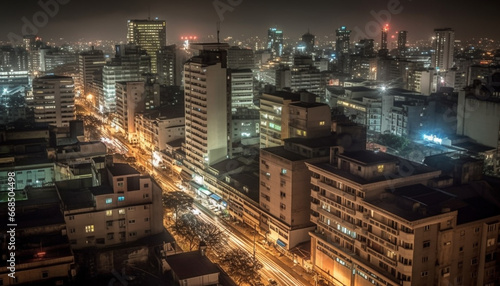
x: 120, y: 169
x: 281, y: 152
x: 285, y: 95
x: 367, y: 157
x: 191, y: 264
x: 474, y: 147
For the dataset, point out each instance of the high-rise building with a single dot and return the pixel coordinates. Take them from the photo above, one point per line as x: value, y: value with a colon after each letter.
x: 308, y: 41
x: 275, y: 42
x: 88, y: 63
x: 129, y: 64
x: 342, y: 48
x: 207, y: 105
x: 402, y: 43
x: 129, y: 100
x: 383, y: 39
x: 242, y: 89
x: 240, y: 58
x: 150, y: 35
x: 54, y: 100
x: 365, y: 48
x: 444, y: 41
x: 166, y: 65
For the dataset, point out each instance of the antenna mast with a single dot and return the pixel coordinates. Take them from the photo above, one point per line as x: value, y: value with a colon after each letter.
x: 218, y: 32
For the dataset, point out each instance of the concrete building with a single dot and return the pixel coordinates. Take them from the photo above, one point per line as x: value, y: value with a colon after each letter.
x: 89, y: 62
x: 130, y: 98
x: 240, y: 58
x: 42, y: 252
x: 167, y: 65
x: 357, y: 243
x: 157, y: 127
x: 274, y: 112
x: 124, y: 210
x: 284, y: 176
x: 478, y: 116
x: 242, y: 89
x: 402, y: 35
x: 207, y: 105
x: 342, y: 48
x: 444, y: 44
x: 150, y: 35
x: 129, y: 64
x: 54, y: 100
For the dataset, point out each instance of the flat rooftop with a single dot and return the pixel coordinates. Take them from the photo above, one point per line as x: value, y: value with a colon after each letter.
x: 191, y: 264
x: 121, y: 169
x: 367, y: 157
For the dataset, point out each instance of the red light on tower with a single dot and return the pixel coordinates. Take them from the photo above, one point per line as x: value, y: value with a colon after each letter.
x: 386, y: 27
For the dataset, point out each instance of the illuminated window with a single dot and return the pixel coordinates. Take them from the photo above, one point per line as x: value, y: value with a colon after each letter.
x: 380, y: 168
x: 121, y: 198
x: 121, y: 211
x: 321, y: 123
x: 109, y: 200
x: 109, y: 212
x: 89, y: 228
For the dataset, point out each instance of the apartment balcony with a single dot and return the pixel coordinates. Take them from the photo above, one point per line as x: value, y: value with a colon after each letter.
x: 408, y: 237
x: 405, y: 252
x: 316, y: 207
x: 381, y: 257
x: 314, y: 218
x: 383, y: 227
x: 315, y: 194
x: 405, y: 269
x: 334, y: 190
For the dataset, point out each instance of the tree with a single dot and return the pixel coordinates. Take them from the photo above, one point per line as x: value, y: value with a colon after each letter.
x: 242, y: 267
x: 178, y: 202
x: 214, y: 237
x: 187, y: 228
x: 393, y: 141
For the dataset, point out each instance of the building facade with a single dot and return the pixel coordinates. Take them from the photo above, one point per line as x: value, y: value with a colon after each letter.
x: 54, y: 100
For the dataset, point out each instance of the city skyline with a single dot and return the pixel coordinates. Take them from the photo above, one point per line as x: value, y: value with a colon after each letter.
x: 92, y: 20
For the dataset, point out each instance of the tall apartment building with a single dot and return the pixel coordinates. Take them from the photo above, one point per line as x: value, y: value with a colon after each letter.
x: 379, y: 224
x: 150, y: 35
x: 124, y: 210
x: 242, y: 89
x: 89, y: 62
x: 274, y: 112
x: 207, y: 105
x: 284, y: 176
x: 444, y: 44
x: 130, y: 98
x: 54, y: 100
x: 129, y: 64
x: 166, y: 66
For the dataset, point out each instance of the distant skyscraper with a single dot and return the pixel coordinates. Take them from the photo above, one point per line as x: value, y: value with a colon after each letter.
x: 342, y: 48
x: 383, y: 40
x: 275, y: 42
x: 308, y: 40
x: 150, y: 35
x: 240, y: 58
x: 365, y: 48
x: 166, y: 65
x: 54, y: 100
x: 207, y: 105
x: 402, y: 43
x: 443, y: 49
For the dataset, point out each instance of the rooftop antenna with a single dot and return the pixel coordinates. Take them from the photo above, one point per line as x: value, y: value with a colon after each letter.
x: 218, y: 32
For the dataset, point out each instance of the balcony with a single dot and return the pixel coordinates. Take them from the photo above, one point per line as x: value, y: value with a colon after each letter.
x: 381, y: 257
x: 315, y: 194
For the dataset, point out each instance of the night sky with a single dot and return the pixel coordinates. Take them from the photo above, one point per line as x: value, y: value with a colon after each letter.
x: 106, y: 19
